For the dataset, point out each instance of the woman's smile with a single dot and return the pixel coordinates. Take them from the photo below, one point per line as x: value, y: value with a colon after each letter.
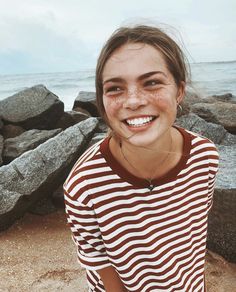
x: 139, y: 121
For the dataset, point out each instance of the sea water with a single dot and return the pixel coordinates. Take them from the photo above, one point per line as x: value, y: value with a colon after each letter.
x: 208, y: 79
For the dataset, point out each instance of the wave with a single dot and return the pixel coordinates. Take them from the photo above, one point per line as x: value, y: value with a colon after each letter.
x: 214, y: 62
x: 63, y: 86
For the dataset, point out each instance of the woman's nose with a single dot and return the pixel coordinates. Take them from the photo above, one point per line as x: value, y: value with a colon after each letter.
x: 134, y: 99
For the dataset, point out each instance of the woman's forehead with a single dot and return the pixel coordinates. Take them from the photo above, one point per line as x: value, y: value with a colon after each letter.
x: 134, y: 58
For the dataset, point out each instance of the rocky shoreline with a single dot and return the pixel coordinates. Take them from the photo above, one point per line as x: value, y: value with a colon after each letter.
x: 40, y: 142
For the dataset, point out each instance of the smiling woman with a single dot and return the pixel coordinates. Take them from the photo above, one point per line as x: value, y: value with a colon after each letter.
x: 137, y: 202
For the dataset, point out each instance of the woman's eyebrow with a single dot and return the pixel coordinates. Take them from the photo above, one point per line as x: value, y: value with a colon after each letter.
x: 149, y: 74
x: 141, y: 77
x: 115, y: 79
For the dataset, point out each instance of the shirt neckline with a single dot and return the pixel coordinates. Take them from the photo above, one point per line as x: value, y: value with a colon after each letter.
x: 141, y: 182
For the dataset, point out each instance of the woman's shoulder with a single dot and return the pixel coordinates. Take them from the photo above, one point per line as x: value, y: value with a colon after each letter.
x: 197, y: 137
x: 203, y: 146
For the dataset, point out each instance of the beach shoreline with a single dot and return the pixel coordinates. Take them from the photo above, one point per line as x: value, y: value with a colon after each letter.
x: 38, y: 254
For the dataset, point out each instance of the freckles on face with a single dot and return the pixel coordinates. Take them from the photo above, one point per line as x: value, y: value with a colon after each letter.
x: 137, y: 74
x: 111, y: 106
x: 162, y: 101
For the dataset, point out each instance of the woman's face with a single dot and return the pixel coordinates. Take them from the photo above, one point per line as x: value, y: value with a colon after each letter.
x: 139, y: 94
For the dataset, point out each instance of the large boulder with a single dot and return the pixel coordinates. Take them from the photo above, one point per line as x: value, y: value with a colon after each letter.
x: 1, y: 149
x: 227, y: 97
x: 220, y: 113
x: 87, y: 100
x: 192, y: 97
x: 37, y: 173
x: 222, y: 218
x: 1, y: 124
x: 14, y: 147
x: 214, y: 132
x: 71, y: 118
x: 11, y: 131
x: 32, y: 108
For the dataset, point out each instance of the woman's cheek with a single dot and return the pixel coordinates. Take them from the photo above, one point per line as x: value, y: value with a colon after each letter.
x: 111, y: 106
x: 162, y: 102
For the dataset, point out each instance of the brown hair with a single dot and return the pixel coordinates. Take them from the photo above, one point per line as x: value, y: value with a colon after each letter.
x: 175, y: 59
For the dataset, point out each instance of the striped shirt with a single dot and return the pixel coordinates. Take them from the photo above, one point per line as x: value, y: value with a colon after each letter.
x: 155, y: 240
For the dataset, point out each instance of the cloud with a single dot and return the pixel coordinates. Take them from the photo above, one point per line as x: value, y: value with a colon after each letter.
x: 67, y: 35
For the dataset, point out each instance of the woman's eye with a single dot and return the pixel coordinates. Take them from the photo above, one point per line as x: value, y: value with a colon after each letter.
x: 113, y: 89
x: 152, y: 83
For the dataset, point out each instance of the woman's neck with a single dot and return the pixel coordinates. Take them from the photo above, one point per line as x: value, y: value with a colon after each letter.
x: 146, y: 162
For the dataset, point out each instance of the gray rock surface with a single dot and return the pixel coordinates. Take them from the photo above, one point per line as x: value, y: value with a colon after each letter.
x: 14, y: 147
x: 32, y: 108
x: 44, y: 206
x: 37, y: 173
x: 229, y: 139
x: 87, y: 100
x: 1, y: 123
x: 58, y: 197
x: 1, y: 149
x: 222, y: 218
x: 96, y: 138
x: 71, y: 118
x: 214, y: 132
x: 102, y: 126
x: 220, y: 113
x: 227, y: 97
x: 11, y: 131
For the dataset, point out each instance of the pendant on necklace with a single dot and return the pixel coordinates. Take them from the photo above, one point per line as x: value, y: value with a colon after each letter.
x: 151, y: 186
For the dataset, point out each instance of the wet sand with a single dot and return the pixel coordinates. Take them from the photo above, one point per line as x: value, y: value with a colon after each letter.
x: 37, y: 254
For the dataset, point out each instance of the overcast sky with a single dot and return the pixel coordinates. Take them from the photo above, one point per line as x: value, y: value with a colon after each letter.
x: 39, y: 36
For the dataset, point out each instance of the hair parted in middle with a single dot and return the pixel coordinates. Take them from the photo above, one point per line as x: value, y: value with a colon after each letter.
x: 174, y: 57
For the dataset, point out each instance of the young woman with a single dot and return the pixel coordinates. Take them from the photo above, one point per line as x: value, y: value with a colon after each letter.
x: 137, y: 202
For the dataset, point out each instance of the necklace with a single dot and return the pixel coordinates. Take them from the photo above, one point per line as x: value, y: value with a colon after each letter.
x: 151, y: 185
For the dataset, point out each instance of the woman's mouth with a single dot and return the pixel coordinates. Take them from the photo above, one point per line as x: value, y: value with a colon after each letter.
x: 139, y: 121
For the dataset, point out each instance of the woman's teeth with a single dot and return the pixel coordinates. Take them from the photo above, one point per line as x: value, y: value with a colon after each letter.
x: 137, y: 122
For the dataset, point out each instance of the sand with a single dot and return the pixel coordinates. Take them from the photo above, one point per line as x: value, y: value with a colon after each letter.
x: 38, y: 254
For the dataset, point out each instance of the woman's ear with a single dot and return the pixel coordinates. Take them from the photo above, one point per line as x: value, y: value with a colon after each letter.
x: 181, y: 92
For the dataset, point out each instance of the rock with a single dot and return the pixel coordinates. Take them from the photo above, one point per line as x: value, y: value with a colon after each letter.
x: 81, y: 110
x: 229, y: 139
x: 214, y: 132
x: 37, y: 173
x: 32, y: 108
x: 219, y: 113
x: 44, y: 206
x: 1, y: 124
x: 58, y: 198
x: 96, y: 138
x: 11, y: 131
x: 14, y: 147
x: 71, y: 118
x: 87, y: 100
x: 102, y: 126
x: 222, y: 218
x: 1, y: 149
x: 189, y: 99
x: 227, y: 97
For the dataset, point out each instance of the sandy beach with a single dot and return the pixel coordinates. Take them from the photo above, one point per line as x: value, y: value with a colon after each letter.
x: 37, y: 254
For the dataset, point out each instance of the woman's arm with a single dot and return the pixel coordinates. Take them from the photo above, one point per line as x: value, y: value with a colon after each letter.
x: 111, y: 280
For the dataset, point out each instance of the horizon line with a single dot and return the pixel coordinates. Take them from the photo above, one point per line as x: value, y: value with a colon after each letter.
x: 93, y: 69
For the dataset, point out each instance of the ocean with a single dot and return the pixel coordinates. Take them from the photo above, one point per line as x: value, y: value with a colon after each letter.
x: 208, y: 78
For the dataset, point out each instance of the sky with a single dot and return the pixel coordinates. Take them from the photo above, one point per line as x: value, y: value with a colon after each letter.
x: 40, y: 36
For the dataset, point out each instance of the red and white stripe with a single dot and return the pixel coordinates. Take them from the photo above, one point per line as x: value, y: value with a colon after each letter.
x: 156, y: 241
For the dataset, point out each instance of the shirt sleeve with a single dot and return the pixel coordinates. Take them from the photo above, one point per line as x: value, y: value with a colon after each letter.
x: 213, y: 170
x: 85, y: 233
